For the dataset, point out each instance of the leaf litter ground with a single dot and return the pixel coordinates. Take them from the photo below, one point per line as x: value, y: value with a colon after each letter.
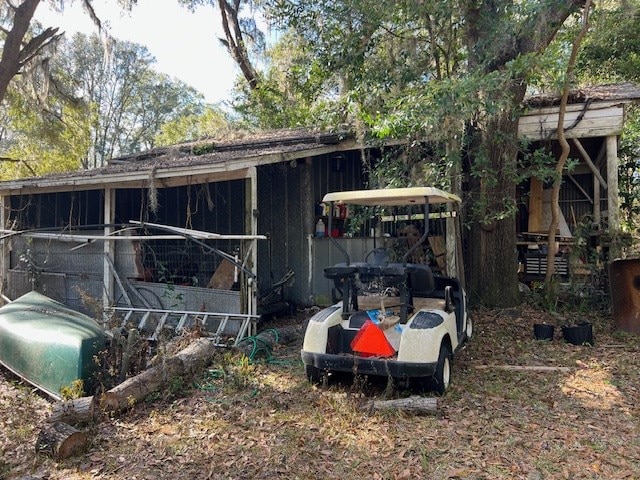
x: 240, y: 420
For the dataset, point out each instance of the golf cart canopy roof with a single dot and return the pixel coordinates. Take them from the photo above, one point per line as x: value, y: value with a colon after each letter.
x: 393, y: 196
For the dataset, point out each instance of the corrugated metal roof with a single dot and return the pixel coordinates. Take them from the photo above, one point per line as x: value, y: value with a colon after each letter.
x: 200, y: 157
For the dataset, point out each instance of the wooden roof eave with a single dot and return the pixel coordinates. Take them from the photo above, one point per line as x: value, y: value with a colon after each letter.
x: 582, y: 120
x: 166, y: 176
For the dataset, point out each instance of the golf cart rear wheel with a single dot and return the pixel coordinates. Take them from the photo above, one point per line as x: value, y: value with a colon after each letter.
x: 314, y: 374
x: 442, y: 377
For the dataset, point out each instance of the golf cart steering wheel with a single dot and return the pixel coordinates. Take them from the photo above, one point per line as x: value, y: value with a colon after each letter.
x: 379, y: 257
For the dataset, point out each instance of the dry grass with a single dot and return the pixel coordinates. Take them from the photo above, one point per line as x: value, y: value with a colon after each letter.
x: 265, y: 421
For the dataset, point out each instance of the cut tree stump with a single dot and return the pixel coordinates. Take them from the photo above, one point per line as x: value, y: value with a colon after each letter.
x: 75, y: 411
x: 413, y: 405
x: 60, y: 440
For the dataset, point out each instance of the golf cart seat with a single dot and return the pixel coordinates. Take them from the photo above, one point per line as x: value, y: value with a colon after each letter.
x: 421, y: 280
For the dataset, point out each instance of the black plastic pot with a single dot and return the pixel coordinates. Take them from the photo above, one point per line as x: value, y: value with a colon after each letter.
x: 543, y: 331
x: 579, y: 334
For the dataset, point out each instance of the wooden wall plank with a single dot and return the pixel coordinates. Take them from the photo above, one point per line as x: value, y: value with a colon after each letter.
x: 535, y: 205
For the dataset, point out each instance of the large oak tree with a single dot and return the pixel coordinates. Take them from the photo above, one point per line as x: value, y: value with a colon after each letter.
x: 455, y: 72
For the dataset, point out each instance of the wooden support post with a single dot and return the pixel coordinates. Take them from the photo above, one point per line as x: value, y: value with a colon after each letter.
x: 613, y: 218
x: 109, y: 248
x: 612, y: 177
x: 253, y: 230
x: 4, y: 244
x: 451, y: 249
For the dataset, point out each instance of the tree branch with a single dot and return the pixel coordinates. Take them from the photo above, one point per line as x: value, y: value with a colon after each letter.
x: 86, y: 4
x: 36, y: 44
x: 235, y: 41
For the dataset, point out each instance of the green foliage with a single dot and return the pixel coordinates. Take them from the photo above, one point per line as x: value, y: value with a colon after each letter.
x: 629, y: 171
x: 417, y: 164
x: 293, y: 91
x: 75, y: 390
x: 611, y: 52
x: 211, y: 122
x: 43, y: 140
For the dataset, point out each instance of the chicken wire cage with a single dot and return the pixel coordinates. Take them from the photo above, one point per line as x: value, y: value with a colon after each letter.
x: 72, y: 272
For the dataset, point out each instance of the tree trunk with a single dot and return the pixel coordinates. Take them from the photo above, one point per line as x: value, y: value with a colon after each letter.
x: 10, y: 61
x: 60, y: 440
x: 235, y: 41
x: 492, y: 263
x: 492, y: 44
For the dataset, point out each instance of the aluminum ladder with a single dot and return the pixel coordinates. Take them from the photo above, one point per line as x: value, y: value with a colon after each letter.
x: 226, y: 329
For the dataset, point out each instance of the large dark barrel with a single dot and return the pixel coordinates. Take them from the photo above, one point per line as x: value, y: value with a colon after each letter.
x: 624, y: 280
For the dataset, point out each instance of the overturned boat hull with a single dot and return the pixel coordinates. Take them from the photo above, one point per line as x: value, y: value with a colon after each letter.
x: 48, y: 344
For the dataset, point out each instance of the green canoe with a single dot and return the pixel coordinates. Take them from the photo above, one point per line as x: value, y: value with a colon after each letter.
x: 48, y: 344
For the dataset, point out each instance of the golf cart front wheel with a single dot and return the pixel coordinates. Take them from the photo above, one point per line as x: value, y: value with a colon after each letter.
x: 442, y: 377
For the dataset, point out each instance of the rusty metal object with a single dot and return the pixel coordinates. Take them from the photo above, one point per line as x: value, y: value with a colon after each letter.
x: 624, y: 281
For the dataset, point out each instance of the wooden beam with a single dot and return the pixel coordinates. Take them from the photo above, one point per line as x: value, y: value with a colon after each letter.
x: 579, y: 187
x: 588, y: 161
x: 572, y: 107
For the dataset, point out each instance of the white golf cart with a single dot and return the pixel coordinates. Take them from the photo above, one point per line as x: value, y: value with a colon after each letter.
x: 390, y: 318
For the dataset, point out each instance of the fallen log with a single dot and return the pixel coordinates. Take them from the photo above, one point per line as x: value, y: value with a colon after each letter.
x: 413, y: 405
x: 60, y: 440
x: 75, y: 411
x: 525, y: 368
x: 188, y: 361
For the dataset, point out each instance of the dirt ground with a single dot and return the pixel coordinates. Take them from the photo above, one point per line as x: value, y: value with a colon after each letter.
x: 245, y: 421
